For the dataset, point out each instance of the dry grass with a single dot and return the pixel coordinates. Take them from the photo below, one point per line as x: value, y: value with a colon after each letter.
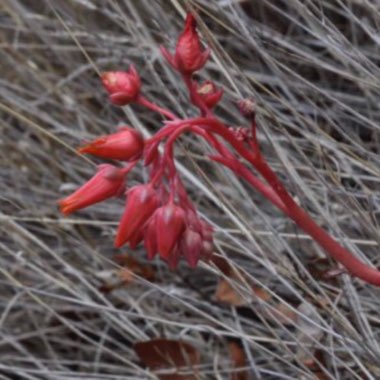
x: 313, y: 67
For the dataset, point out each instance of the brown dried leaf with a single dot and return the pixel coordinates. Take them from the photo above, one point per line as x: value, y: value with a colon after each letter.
x: 261, y: 293
x: 125, y: 276
x: 239, y: 360
x: 222, y: 264
x: 227, y: 294
x: 134, y: 267
x: 165, y: 354
x: 285, y: 314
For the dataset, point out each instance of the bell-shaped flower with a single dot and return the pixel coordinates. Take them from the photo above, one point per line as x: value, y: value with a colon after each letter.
x: 142, y: 201
x: 173, y: 259
x: 106, y: 183
x: 191, y: 246
x: 123, y: 86
x: 170, y: 223
x: 150, y: 238
x: 189, y: 55
x: 127, y: 144
x: 209, y: 93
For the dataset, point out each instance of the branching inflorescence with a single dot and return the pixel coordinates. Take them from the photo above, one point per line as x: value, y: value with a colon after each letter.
x: 160, y: 213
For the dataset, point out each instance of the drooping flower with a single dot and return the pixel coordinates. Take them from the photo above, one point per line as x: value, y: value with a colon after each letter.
x: 142, y: 201
x: 150, y: 238
x: 106, y: 183
x: 191, y: 246
x: 122, y: 86
x: 189, y: 55
x: 170, y: 224
x: 209, y: 93
x: 125, y: 145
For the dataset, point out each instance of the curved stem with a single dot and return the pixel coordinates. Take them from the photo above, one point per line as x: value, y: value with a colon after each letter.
x: 242, y: 171
x: 154, y: 107
x: 307, y: 224
x: 288, y: 205
x: 126, y: 169
x: 222, y: 130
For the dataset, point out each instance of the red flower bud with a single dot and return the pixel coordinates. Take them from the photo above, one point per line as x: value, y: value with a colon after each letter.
x: 207, y: 231
x: 209, y: 93
x: 174, y: 258
x: 142, y: 201
x: 189, y: 56
x: 122, y: 86
x: 150, y: 238
x: 106, y: 183
x: 207, y: 249
x: 136, y: 238
x: 247, y: 107
x: 191, y: 246
x: 124, y: 145
x: 170, y: 224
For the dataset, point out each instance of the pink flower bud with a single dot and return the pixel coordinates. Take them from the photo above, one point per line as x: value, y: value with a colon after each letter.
x: 247, y: 107
x: 170, y: 224
x: 150, y: 238
x: 122, y: 86
x: 142, y: 201
x: 189, y: 56
x: 136, y: 238
x: 106, y: 183
x: 191, y: 246
x: 173, y: 259
x: 128, y: 144
x: 207, y: 249
x: 207, y: 231
x: 209, y: 93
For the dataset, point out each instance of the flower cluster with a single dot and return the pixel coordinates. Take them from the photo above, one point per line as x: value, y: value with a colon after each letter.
x: 159, y: 213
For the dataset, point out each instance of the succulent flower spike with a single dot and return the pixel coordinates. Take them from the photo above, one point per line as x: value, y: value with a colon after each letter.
x: 161, y: 213
x: 209, y: 93
x: 142, y: 201
x: 127, y: 144
x: 106, y: 183
x: 189, y: 56
x: 123, y: 86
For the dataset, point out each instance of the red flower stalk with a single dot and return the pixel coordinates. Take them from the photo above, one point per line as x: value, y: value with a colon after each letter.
x: 209, y: 93
x: 128, y: 144
x: 142, y: 201
x: 189, y: 56
x: 122, y: 86
x: 160, y: 212
x: 107, y: 182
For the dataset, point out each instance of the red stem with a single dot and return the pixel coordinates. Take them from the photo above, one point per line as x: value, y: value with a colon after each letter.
x: 292, y: 210
x: 304, y: 221
x: 154, y: 107
x: 239, y: 169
